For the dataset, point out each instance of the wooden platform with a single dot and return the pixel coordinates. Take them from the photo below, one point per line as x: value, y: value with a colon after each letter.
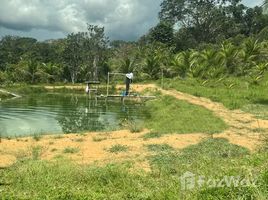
x: 127, y: 97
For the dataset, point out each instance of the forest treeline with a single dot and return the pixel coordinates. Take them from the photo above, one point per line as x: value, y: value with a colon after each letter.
x: 200, y: 39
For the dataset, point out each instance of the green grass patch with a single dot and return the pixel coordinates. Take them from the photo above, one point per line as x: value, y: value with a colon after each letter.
x: 151, y: 135
x: 259, y: 110
x: 36, y: 179
x: 36, y: 152
x: 159, y: 147
x: 198, y: 158
x: 233, y: 92
x: 169, y: 115
x: 71, y: 150
x: 118, y: 148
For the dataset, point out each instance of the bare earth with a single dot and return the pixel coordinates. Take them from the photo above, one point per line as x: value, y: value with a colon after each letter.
x: 245, y: 130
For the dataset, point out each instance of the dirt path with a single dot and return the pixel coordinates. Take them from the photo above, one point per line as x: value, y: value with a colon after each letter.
x: 245, y: 130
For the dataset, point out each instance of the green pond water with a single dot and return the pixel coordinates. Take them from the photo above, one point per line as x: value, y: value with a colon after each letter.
x: 61, y: 113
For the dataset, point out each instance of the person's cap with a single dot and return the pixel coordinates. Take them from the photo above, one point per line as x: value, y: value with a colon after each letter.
x: 129, y: 76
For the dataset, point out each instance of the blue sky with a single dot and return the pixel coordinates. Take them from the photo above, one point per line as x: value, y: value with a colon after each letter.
x: 122, y: 19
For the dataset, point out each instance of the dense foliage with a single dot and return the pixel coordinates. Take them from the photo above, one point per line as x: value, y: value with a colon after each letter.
x: 199, y: 39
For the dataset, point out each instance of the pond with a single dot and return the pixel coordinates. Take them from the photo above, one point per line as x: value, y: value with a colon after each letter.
x: 61, y: 113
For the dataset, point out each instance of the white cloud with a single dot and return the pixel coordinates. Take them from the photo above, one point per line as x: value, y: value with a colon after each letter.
x: 123, y: 19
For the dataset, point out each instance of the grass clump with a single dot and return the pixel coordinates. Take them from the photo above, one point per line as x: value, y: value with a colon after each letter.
x: 169, y: 115
x: 135, y: 127
x: 37, y: 136
x: 98, y: 139
x: 151, y: 135
x: 71, y: 150
x: 57, y: 137
x: 159, y: 147
x: 118, y: 148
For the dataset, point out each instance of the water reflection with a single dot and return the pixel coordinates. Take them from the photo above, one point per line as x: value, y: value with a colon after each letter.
x: 63, y: 113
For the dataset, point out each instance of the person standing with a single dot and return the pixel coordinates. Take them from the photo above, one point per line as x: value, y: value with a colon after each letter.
x: 129, y: 79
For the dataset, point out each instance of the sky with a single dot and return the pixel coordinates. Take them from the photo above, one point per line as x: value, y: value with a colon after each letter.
x: 52, y: 19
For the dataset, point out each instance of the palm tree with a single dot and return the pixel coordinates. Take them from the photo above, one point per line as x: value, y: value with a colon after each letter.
x: 50, y: 72
x: 210, y: 64
x: 228, y: 56
x: 152, y: 67
x: 183, y: 63
x: 127, y: 65
x: 249, y: 54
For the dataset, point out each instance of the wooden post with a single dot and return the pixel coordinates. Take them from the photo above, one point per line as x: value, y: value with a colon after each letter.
x: 108, y: 83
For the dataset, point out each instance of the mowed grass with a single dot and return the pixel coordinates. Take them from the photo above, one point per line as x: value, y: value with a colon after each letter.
x: 168, y: 115
x: 212, y: 158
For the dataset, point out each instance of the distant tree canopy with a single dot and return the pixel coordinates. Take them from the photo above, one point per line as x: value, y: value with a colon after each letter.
x: 210, y: 21
x: 202, y: 39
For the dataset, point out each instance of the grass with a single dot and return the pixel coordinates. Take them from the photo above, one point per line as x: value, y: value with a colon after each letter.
x: 36, y: 152
x: 71, y: 150
x: 37, y: 137
x: 159, y: 147
x: 151, y: 135
x: 135, y: 127
x: 36, y: 179
x: 234, y: 93
x: 169, y: 115
x: 57, y: 137
x: 118, y: 148
x: 212, y: 158
x: 99, y: 138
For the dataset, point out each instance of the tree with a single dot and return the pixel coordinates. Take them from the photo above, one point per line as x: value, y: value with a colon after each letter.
x: 254, y: 21
x: 229, y: 57
x: 206, y: 19
x: 73, y: 54
x: 96, y: 45
x: 183, y: 62
x: 210, y: 21
x: 12, y: 48
x: 162, y: 32
x: 249, y: 55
